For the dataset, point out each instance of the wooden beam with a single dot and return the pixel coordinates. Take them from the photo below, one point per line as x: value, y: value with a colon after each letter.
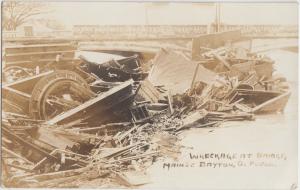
x: 20, y: 140
x: 23, y: 94
x: 89, y: 103
x: 26, y: 79
x: 16, y: 155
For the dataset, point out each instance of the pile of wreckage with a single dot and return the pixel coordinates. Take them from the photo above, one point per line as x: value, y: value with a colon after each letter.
x: 71, y: 116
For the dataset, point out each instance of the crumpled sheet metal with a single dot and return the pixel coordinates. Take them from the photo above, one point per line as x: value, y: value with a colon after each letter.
x: 176, y: 72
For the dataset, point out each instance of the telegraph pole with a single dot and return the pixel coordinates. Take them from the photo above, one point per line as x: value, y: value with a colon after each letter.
x: 218, y: 16
x: 146, y: 15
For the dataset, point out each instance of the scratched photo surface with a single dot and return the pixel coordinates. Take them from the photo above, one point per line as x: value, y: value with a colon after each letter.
x: 149, y: 95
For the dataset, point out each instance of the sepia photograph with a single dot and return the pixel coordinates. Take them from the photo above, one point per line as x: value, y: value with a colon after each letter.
x: 149, y: 95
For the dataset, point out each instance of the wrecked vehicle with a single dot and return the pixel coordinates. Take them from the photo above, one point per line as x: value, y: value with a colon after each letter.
x: 52, y: 90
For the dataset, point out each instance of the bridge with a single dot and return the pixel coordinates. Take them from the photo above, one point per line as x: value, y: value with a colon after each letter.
x: 271, y: 44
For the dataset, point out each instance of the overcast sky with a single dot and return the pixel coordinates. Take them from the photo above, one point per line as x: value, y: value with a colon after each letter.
x: 133, y: 13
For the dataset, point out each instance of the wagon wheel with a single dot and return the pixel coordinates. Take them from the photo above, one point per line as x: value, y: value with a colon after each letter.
x: 57, y: 93
x: 13, y: 73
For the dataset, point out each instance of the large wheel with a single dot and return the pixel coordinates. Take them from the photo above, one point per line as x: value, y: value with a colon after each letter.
x: 57, y: 93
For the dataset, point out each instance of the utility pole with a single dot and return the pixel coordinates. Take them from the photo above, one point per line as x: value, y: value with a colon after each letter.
x: 146, y: 15
x: 218, y: 16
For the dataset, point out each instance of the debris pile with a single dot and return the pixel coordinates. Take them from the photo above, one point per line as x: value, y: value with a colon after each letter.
x: 103, y: 117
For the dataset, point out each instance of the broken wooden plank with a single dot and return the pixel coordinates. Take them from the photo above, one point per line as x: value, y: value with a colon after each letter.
x: 91, y: 129
x: 20, y: 140
x: 114, y: 152
x: 170, y: 102
x: 57, y: 175
x: 148, y: 92
x: 16, y: 155
x: 222, y: 60
x: 14, y: 49
x: 124, y: 135
x: 199, y: 125
x: 157, y: 106
x: 191, y: 120
x: 83, y: 107
x: 139, y: 156
x: 19, y: 167
x: 275, y: 104
x: 37, y: 55
x: 19, y: 85
x: 133, y: 178
x: 194, y: 76
x: 243, y: 107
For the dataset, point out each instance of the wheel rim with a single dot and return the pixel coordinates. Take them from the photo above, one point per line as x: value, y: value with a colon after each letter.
x: 59, y: 98
x: 61, y: 87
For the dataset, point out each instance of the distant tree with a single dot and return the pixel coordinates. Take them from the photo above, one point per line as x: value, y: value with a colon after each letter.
x: 16, y: 13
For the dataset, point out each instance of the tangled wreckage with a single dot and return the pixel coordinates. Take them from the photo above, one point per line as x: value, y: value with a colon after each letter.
x: 72, y: 116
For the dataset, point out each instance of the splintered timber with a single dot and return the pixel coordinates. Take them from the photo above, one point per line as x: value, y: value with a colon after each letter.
x: 103, y: 107
x: 102, y: 104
